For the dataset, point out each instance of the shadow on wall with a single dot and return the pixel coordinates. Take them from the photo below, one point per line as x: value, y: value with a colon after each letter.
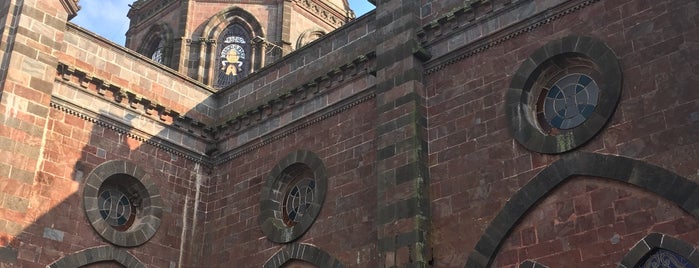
x: 103, y: 202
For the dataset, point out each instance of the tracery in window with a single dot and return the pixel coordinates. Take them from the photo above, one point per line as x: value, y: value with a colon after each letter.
x: 662, y: 258
x: 233, y: 56
x: 157, y: 54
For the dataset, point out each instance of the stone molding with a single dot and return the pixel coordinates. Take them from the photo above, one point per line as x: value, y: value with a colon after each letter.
x: 463, y: 18
x: 130, y: 100
x: 655, y: 241
x: 303, y: 252
x: 293, y: 128
x: 281, y: 102
x: 274, y: 189
x: 286, y: 100
x: 135, y: 134
x: 325, y: 12
x: 520, y: 95
x: 96, y: 255
x: 670, y: 186
x: 71, y: 7
x: 143, y: 10
x: 531, y: 264
x: 151, y: 211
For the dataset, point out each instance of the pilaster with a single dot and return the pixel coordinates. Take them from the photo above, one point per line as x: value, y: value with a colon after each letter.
x: 36, y: 29
x: 403, y: 178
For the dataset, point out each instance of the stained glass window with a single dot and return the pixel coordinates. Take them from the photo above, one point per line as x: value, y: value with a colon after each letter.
x: 571, y: 101
x: 298, y: 199
x: 233, y: 58
x: 662, y: 258
x: 116, y: 208
x: 157, y: 54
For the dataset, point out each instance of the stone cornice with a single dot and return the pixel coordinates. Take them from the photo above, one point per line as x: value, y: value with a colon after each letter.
x: 325, y: 12
x: 71, y: 7
x: 210, y: 136
x: 264, y: 140
x: 286, y: 100
x: 464, y: 18
x: 130, y: 100
x: 143, y: 10
x: 124, y: 129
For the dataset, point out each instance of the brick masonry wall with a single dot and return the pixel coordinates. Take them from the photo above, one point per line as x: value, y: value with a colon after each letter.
x: 169, y: 16
x: 73, y: 148
x: 301, y: 67
x: 375, y: 149
x: 23, y: 111
x: 50, y: 149
x: 476, y: 165
x: 592, y: 222
x: 130, y: 71
x: 345, y: 226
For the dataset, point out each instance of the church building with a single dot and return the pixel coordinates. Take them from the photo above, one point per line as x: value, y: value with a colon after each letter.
x: 292, y: 133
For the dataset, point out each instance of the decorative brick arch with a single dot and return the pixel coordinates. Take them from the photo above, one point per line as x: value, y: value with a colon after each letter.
x: 521, y: 106
x: 218, y: 22
x: 308, y: 36
x: 95, y: 255
x: 677, y: 189
x: 148, y: 217
x: 303, y: 252
x: 655, y: 241
x: 271, y: 196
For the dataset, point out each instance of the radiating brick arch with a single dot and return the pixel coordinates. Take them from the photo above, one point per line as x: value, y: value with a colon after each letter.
x: 677, y: 189
x: 218, y: 22
x: 654, y: 241
x: 271, y: 199
x: 308, y: 36
x: 95, y: 255
x: 136, y: 179
x: 303, y: 252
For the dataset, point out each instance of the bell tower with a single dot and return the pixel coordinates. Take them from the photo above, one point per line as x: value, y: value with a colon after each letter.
x: 219, y: 42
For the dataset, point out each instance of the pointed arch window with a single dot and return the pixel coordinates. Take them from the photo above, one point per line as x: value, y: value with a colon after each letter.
x: 157, y: 54
x: 233, y: 55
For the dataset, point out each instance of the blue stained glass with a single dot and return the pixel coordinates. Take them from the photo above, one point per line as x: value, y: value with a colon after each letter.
x: 570, y: 101
x: 584, y: 80
x: 299, y: 199
x: 115, y: 207
x: 662, y: 258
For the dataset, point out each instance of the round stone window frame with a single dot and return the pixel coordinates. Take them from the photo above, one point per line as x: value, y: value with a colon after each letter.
x: 521, y: 98
x: 273, y: 193
x: 149, y: 215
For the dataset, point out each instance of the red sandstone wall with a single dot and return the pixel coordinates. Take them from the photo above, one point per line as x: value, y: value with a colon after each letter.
x: 345, y: 226
x: 476, y: 165
x: 592, y: 222
x: 74, y: 147
x: 171, y: 16
x: 57, y: 149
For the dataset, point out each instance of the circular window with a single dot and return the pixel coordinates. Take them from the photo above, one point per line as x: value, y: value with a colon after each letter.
x: 563, y: 94
x: 116, y: 207
x: 292, y: 198
x: 570, y: 101
x: 298, y: 200
x: 122, y: 204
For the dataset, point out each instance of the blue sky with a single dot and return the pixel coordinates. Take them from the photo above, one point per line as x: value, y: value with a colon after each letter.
x: 108, y: 17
